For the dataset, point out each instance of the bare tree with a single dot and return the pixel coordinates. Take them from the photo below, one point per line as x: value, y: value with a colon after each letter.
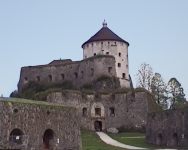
x: 159, y: 89
x: 144, y: 76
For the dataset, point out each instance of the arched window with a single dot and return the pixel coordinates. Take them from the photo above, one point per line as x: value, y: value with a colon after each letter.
x: 16, y: 136
x: 112, y: 111
x: 119, y: 64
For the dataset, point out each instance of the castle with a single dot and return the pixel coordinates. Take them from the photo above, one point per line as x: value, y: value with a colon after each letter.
x: 56, y: 123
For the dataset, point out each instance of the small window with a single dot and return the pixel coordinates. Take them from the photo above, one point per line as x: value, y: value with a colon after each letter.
x: 101, y: 43
x: 87, y: 45
x: 94, y: 54
x: 62, y: 76
x: 123, y: 75
x: 122, y: 44
x: 82, y: 74
x: 107, y: 53
x: 127, y: 66
x: 26, y: 79
x: 97, y: 112
x: 119, y: 54
x: 92, y: 71
x: 109, y: 69
x: 15, y: 111
x: 108, y: 43
x: 38, y: 78
x: 115, y: 43
x: 49, y: 77
x: 75, y: 75
x: 84, y: 112
x: 119, y: 64
x: 127, y: 56
x: 85, y: 57
x: 92, y: 44
x: 112, y: 111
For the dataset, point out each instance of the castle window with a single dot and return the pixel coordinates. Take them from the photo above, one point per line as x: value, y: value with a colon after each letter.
x: 75, y: 75
x: 38, y: 78
x: 85, y: 56
x: 123, y: 75
x: 119, y: 64
x: 84, y: 111
x: 92, y: 71
x: 94, y: 54
x: 49, y: 77
x: 127, y: 56
x: 26, y: 79
x: 115, y: 43
x: 122, y: 44
x: 62, y: 76
x: 92, y: 44
x: 82, y: 74
x: 112, y: 111
x: 87, y: 45
x: 97, y: 112
x: 15, y: 111
x: 119, y: 54
x: 109, y: 69
x: 127, y: 66
x: 107, y: 53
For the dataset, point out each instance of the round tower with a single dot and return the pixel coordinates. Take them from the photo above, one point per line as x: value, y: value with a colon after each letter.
x: 106, y: 42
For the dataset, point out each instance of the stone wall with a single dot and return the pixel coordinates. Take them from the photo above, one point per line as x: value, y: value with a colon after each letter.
x: 79, y: 73
x: 168, y: 128
x: 39, y: 125
x: 117, y: 110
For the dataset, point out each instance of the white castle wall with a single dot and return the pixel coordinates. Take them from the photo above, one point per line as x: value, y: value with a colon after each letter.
x: 118, y: 49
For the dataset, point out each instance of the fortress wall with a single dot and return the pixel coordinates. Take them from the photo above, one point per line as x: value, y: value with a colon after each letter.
x: 79, y: 73
x: 33, y: 120
x: 129, y: 112
x: 169, y: 128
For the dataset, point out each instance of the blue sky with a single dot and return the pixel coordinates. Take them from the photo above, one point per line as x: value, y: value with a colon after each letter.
x: 39, y: 31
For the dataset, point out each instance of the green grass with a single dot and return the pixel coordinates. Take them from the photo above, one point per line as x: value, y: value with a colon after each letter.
x: 128, y: 139
x: 91, y: 141
x: 32, y: 102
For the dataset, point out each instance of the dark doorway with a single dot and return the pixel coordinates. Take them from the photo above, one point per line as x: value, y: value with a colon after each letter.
x: 48, y: 139
x: 175, y: 140
x: 16, y: 136
x: 98, y: 125
x: 159, y: 139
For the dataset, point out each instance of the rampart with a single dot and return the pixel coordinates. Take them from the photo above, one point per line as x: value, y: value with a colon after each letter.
x: 80, y: 72
x: 27, y: 124
x: 168, y: 128
x: 120, y: 110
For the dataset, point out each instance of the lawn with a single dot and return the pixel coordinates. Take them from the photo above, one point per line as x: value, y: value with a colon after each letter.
x: 131, y: 138
x: 91, y: 141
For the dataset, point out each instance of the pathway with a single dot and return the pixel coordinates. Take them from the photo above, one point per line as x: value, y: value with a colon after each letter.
x: 104, y: 137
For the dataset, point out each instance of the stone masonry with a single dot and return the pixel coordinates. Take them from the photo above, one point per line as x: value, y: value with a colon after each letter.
x: 38, y: 125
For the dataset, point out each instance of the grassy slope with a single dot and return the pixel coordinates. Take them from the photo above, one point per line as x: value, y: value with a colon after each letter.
x: 138, y: 142
x: 91, y: 141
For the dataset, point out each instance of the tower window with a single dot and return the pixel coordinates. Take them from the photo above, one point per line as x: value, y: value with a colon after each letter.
x: 26, y: 79
x: 127, y: 66
x: 107, y: 53
x: 75, y: 75
x: 119, y: 64
x: 119, y: 54
x: 97, y: 112
x: 109, y: 69
x: 92, y: 71
x: 123, y: 75
x: 38, y: 78
x: 94, y: 54
x: 49, y: 77
x: 62, y: 76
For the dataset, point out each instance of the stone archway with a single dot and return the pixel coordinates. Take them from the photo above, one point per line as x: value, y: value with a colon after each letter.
x: 174, y: 140
x: 16, y: 136
x: 159, y: 139
x: 48, y: 139
x: 98, y: 125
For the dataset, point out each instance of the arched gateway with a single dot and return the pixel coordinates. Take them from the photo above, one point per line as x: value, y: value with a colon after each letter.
x: 48, y: 139
x: 98, y: 125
